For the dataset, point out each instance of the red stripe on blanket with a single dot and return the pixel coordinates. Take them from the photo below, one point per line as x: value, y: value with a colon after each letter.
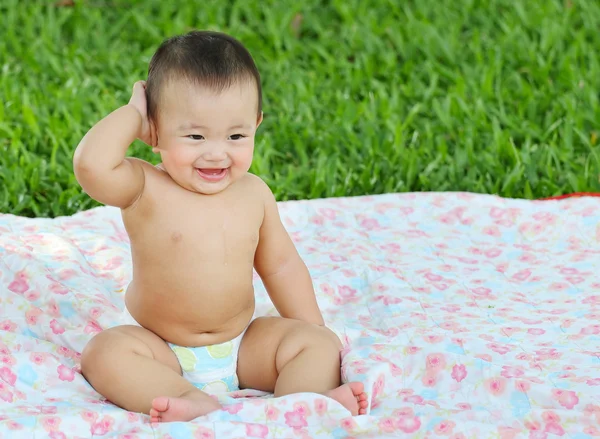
x: 574, y: 195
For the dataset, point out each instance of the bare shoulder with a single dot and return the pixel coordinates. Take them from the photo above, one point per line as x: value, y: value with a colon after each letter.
x: 257, y: 186
x: 150, y: 173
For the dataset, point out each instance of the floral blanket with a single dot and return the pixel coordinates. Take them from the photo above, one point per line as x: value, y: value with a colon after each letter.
x: 466, y: 316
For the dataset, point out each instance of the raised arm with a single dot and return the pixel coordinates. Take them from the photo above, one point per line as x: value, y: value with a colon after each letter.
x: 282, y: 270
x: 99, y: 163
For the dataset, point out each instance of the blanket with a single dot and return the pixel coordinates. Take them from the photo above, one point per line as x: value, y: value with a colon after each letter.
x: 465, y: 316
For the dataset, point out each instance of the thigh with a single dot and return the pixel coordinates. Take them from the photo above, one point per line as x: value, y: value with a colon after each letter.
x: 127, y: 338
x: 270, y: 342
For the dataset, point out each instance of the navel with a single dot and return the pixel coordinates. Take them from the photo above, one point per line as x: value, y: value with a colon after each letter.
x: 176, y: 236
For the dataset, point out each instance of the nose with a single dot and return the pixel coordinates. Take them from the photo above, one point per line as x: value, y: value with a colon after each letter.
x: 214, y: 153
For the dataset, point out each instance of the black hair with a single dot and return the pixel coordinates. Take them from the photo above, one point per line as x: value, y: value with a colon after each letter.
x: 211, y: 59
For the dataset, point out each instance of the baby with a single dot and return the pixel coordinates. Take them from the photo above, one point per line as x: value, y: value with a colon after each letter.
x: 198, y: 224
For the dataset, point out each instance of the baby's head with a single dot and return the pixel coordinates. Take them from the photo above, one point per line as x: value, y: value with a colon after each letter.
x: 205, y: 101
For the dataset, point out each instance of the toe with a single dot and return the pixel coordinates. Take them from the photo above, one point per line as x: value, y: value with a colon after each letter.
x: 363, y: 404
x: 357, y: 387
x: 160, y: 404
x: 362, y: 411
x: 362, y: 397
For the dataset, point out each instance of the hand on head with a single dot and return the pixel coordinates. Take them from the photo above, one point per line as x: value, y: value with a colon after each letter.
x: 138, y: 100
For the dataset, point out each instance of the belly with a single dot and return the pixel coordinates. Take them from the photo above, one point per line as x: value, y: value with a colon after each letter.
x: 192, y: 308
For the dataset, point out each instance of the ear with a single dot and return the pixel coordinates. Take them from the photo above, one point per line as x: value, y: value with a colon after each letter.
x: 259, y: 119
x: 154, y: 137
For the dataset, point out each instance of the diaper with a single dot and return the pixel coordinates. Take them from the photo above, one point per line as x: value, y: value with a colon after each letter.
x: 212, y: 369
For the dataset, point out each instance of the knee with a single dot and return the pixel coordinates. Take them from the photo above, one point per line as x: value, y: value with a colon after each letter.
x: 308, y: 336
x: 100, y: 350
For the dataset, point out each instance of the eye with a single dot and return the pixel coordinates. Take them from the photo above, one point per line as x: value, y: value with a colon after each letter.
x: 236, y: 136
x: 195, y: 136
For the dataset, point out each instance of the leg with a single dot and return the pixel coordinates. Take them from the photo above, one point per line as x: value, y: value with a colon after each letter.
x: 287, y: 356
x: 136, y: 370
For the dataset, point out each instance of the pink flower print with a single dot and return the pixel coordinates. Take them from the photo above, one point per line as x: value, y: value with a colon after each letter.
x: 103, y: 426
x: 257, y: 430
x: 492, y: 231
x: 295, y: 420
x: 575, y: 279
x: 414, y: 399
x: 53, y: 309
x: 499, y: 349
x: 395, y: 370
x: 370, y: 223
x: 493, y: 253
x: 57, y: 435
x: 459, y: 372
x: 31, y: 316
x: 56, y: 328
x: 233, y: 408
x: 204, y: 433
x: 550, y: 416
x: 12, y: 425
x: 591, y: 330
x: 484, y: 357
x: 89, y: 416
x: 592, y: 300
x: 19, y: 284
x: 57, y: 288
x: 50, y: 423
x: 429, y: 378
x: 521, y: 275
x: 302, y: 408
x: 592, y: 431
x: 445, y: 428
x: 566, y: 398
x: 559, y: 286
x: 511, y: 372
x: 405, y: 392
x: 433, y: 339
x: 7, y: 325
x: 348, y: 294
x: 348, y: 424
x: 5, y: 394
x: 593, y: 382
x: 481, y: 291
x: 48, y: 410
x: 463, y: 406
x: 95, y: 312
x: 92, y: 327
x: 496, y: 386
x: 65, y: 374
x: 536, y: 331
x: 8, y: 376
x: 378, y: 386
x: 433, y: 277
x: 403, y: 412
x: 8, y: 360
x: 387, y: 425
x: 320, y: 407
x: 435, y: 362
x: 38, y: 357
x: 32, y: 295
x: 408, y: 424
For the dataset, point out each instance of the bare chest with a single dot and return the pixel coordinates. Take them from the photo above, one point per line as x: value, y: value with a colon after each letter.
x: 217, y: 229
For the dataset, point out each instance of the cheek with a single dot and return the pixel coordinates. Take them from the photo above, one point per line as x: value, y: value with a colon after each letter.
x: 243, y: 156
x: 179, y: 156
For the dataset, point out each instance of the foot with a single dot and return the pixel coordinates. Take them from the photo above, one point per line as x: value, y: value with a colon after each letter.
x: 185, y: 408
x: 351, y: 396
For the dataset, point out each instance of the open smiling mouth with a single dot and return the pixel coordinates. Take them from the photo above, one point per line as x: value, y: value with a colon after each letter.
x: 211, y: 174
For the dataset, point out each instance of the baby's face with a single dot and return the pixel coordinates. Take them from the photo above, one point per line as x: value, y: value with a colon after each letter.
x: 205, y: 138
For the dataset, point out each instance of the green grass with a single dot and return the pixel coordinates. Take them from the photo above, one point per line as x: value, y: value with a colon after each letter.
x: 361, y: 97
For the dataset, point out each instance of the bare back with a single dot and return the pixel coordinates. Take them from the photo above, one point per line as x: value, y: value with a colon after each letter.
x: 193, y: 258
